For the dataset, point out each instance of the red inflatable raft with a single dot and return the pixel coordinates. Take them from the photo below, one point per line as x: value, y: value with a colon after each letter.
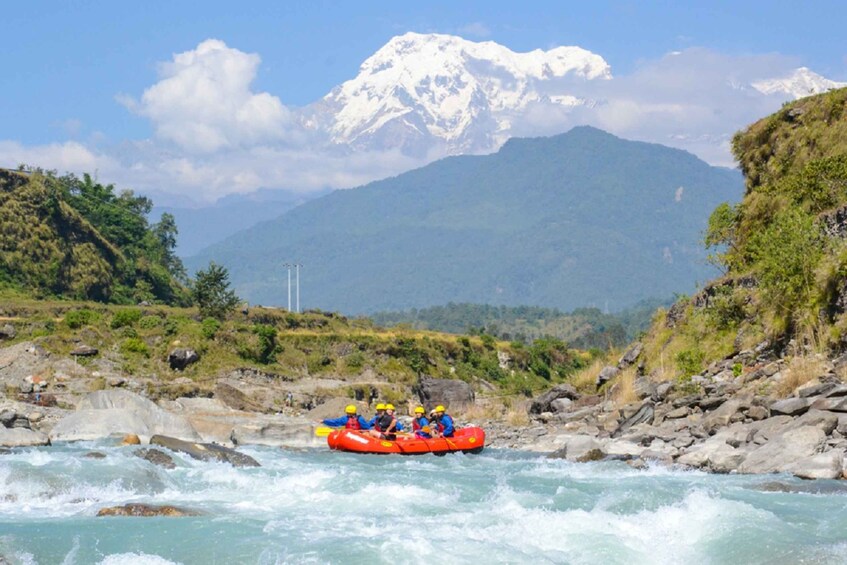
x: 470, y: 440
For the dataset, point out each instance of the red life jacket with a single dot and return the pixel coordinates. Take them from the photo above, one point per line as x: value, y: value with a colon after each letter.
x: 416, y: 424
x: 353, y: 423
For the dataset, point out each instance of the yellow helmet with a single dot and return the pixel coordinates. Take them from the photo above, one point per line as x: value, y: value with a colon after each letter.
x: 419, y: 410
x: 389, y: 407
x: 351, y: 409
x: 380, y: 406
x: 439, y: 408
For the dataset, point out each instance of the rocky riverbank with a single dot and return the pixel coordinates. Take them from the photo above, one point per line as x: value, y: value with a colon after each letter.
x: 724, y: 420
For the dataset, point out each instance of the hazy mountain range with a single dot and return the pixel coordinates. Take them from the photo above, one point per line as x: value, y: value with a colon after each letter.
x: 582, y: 218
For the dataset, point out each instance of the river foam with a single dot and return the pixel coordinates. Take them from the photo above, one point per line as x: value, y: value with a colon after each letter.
x: 327, y: 507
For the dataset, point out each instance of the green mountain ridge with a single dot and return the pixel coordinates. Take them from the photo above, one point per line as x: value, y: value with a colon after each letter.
x: 568, y: 221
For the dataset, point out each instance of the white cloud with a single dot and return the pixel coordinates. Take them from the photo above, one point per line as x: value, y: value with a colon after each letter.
x: 203, y: 101
x: 69, y: 156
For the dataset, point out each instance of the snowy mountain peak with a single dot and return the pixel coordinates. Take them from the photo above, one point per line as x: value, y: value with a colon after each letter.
x: 800, y: 83
x: 424, y: 89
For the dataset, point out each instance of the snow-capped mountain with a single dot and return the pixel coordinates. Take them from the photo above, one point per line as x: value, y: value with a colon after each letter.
x: 800, y: 83
x: 421, y: 91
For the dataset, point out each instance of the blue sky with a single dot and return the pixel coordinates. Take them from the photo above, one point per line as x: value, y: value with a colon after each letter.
x: 65, y: 64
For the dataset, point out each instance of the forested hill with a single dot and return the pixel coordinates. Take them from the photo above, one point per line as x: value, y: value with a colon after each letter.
x: 76, y: 238
x: 575, y: 220
x: 585, y: 328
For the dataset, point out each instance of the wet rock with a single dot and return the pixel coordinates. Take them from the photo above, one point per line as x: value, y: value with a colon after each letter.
x: 205, y: 451
x: 157, y: 457
x: 791, y: 406
x: 84, y: 351
x: 22, y: 437
x: 95, y: 455
x: 595, y: 454
x: 542, y: 403
x: 449, y: 392
x: 147, y: 510
x: 130, y: 439
x: 182, y: 357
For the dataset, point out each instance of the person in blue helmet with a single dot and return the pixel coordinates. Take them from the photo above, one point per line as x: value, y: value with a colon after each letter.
x: 420, y: 425
x: 350, y: 420
x: 443, y: 422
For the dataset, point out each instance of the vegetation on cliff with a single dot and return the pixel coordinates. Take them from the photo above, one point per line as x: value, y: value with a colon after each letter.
x: 76, y: 238
x: 783, y: 249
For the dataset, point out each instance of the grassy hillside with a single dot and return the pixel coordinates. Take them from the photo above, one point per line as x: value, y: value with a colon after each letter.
x: 570, y: 221
x: 783, y: 248
x: 75, y: 238
x: 134, y: 342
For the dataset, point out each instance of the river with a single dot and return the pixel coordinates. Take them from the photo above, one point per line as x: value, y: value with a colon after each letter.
x: 316, y: 506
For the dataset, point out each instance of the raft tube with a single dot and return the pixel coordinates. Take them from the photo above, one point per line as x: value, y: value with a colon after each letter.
x: 469, y: 440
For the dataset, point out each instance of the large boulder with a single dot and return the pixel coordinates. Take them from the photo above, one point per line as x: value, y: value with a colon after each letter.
x: 157, y: 457
x: 19, y: 361
x: 276, y: 434
x: 449, y: 392
x: 791, y: 406
x: 783, y: 452
x: 631, y: 356
x: 543, y: 402
x: 829, y: 465
x: 21, y: 437
x: 182, y: 357
x: 579, y: 448
x: 644, y: 415
x: 119, y: 412
x: 605, y: 375
x: 205, y: 451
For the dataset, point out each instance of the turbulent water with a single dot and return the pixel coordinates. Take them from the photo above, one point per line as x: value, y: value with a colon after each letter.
x: 324, y: 507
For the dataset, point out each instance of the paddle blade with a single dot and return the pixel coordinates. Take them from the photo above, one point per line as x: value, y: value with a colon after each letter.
x: 323, y: 431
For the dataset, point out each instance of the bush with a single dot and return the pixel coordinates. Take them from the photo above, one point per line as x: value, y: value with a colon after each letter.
x: 171, y: 326
x: 209, y: 327
x: 355, y: 360
x: 149, y: 322
x: 134, y: 345
x: 127, y: 317
x: 75, y: 319
x: 267, y: 343
x: 212, y: 294
x: 689, y: 362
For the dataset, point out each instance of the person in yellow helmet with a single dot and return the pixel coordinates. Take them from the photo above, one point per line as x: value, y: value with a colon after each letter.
x: 351, y: 420
x: 385, y: 426
x: 380, y: 410
x: 420, y: 424
x: 443, y: 423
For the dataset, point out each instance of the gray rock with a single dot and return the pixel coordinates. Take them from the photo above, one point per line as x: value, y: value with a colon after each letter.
x: 84, y: 351
x: 825, y: 421
x: 631, y: 356
x: 7, y: 331
x: 644, y: 415
x: 561, y: 405
x: 7, y: 416
x: 791, y: 406
x: 664, y: 389
x: 716, y: 456
x: 676, y: 413
x: 576, y: 448
x: 840, y: 390
x: 205, y: 451
x: 606, y: 374
x: 724, y: 414
x: 711, y: 402
x: 815, y: 389
x: 182, y: 357
x: 451, y: 393
x: 758, y: 413
x: 119, y: 412
x: 834, y: 404
x: 138, y: 510
x: 542, y: 402
x: 643, y: 388
x: 22, y: 437
x: 157, y: 457
x: 782, y: 453
x: 276, y: 434
x: 829, y: 465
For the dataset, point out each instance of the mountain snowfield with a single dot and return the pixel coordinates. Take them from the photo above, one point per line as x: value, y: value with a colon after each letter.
x: 422, y: 89
x: 799, y: 84
x: 430, y: 95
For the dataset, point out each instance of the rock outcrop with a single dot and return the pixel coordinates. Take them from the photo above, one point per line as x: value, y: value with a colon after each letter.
x: 205, y: 451
x: 146, y: 511
x: 108, y: 413
x: 182, y: 357
x: 449, y: 392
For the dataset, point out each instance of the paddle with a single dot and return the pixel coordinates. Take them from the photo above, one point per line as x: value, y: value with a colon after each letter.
x: 323, y: 431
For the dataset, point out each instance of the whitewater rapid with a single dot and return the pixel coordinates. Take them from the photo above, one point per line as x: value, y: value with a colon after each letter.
x: 317, y: 506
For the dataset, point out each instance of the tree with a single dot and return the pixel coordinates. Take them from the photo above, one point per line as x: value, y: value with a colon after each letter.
x: 211, y: 292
